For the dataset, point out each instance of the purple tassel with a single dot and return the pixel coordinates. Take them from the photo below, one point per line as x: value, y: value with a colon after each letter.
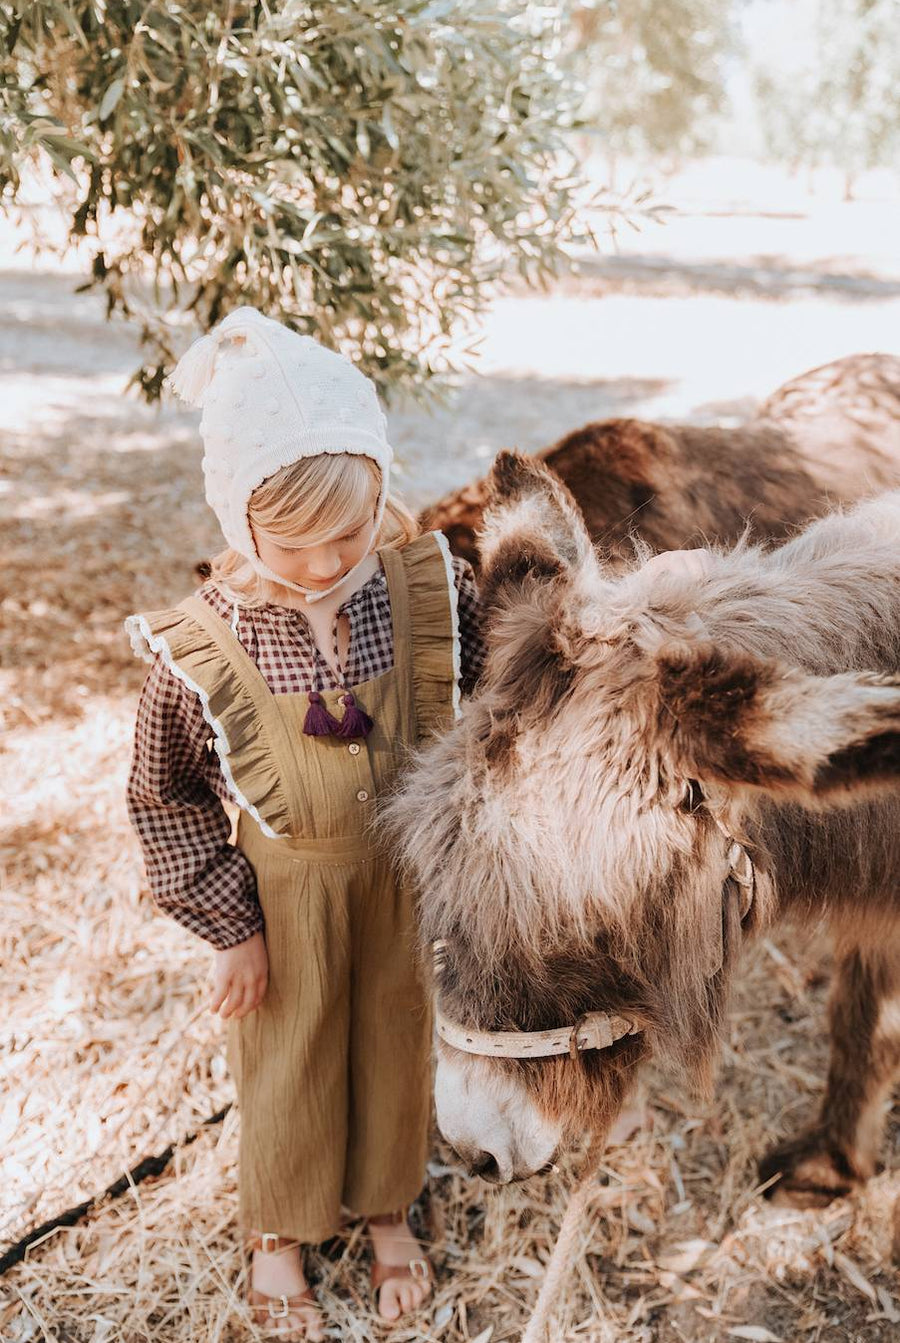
x: 356, y: 722
x: 319, y: 722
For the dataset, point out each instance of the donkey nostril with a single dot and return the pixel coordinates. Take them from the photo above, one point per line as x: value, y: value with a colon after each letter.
x: 486, y: 1166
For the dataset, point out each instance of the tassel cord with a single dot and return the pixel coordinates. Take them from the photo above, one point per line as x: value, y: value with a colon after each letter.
x: 356, y: 722
x: 319, y: 721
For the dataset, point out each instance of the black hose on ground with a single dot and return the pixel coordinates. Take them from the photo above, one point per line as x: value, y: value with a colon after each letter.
x: 147, y: 1167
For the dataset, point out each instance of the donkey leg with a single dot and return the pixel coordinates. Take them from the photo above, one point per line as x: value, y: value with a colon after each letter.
x: 841, y: 1150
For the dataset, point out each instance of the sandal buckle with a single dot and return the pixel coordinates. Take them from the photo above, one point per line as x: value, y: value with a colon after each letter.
x: 280, y: 1312
x: 269, y: 1243
x: 419, y: 1269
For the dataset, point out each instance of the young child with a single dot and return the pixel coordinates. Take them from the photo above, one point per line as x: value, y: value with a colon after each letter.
x: 329, y: 640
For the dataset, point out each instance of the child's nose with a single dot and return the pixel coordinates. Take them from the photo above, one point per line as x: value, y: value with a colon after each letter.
x: 324, y: 563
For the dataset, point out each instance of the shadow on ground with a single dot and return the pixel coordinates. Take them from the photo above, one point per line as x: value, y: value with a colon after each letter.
x: 764, y: 276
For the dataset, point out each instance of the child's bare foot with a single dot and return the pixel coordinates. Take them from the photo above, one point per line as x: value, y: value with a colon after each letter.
x: 280, y: 1298
x: 394, y: 1245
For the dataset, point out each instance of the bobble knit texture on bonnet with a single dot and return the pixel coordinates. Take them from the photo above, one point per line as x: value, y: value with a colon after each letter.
x: 271, y: 397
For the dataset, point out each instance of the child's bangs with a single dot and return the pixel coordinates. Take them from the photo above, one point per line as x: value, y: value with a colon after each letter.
x: 313, y: 500
x: 316, y: 499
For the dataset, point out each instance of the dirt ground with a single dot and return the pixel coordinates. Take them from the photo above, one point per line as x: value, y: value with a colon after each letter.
x: 107, y: 1052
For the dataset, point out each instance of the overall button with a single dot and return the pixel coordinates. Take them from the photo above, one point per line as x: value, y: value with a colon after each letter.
x: 353, y: 748
x: 362, y: 795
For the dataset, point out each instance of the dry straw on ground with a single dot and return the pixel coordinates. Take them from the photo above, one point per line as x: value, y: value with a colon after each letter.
x: 108, y: 1055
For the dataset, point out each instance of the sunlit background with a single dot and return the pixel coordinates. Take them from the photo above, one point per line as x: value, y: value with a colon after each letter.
x: 741, y: 180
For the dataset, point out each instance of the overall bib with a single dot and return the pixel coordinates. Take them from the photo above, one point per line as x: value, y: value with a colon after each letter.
x: 333, y: 1070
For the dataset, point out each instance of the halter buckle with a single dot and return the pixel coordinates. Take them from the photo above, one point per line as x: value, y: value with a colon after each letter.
x: 573, y: 1036
x: 598, y: 1032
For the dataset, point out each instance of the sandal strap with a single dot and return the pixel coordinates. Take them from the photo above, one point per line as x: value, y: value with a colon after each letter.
x: 279, y: 1307
x: 419, y: 1268
x: 389, y: 1218
x: 268, y: 1243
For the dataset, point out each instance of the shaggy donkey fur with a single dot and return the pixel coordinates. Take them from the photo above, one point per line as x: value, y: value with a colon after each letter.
x: 831, y: 435
x: 563, y: 834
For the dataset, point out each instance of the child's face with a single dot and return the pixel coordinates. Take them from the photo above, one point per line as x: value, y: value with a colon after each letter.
x: 322, y: 564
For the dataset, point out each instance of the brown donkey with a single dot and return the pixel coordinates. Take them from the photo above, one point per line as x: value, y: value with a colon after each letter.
x: 655, y: 767
x: 832, y: 434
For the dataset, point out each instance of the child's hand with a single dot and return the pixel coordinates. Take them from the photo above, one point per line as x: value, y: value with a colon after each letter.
x: 695, y: 563
x: 240, y: 976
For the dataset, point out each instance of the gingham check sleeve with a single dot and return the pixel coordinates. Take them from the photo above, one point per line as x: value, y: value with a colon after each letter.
x: 174, y: 803
x: 471, y: 637
x: 175, y: 787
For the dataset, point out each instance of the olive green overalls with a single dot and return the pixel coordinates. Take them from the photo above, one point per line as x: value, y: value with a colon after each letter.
x: 333, y: 1070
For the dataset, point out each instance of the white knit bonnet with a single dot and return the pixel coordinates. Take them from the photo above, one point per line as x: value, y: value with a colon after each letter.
x: 271, y: 397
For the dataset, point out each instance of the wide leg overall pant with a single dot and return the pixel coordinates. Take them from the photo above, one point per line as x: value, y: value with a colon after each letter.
x: 333, y: 1070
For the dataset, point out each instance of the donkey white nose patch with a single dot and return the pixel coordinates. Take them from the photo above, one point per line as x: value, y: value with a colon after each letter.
x: 483, y: 1111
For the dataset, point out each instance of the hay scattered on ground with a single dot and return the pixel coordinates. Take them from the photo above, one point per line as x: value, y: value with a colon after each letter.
x: 108, y: 1055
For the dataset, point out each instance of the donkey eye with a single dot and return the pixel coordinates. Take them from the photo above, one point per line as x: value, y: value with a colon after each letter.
x: 693, y: 798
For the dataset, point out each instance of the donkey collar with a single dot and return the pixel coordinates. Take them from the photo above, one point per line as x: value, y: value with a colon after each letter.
x: 593, y: 1030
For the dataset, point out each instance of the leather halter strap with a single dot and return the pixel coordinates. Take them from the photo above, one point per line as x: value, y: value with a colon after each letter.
x: 592, y: 1030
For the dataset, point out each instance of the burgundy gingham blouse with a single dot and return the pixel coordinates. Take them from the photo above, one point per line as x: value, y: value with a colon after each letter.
x: 176, y: 788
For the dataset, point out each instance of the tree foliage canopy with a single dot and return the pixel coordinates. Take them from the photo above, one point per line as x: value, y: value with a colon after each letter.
x: 654, y: 72
x: 362, y: 169
x: 841, y: 104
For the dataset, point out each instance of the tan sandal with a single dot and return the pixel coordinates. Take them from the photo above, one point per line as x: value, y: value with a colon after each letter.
x: 420, y: 1269
x: 266, y: 1310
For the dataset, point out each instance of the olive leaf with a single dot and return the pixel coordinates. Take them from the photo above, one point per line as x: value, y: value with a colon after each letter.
x: 368, y: 171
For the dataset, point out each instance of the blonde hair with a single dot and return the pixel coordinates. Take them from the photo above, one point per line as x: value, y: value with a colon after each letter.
x: 314, y: 498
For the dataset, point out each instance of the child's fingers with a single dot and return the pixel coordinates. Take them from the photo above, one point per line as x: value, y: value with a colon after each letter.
x: 219, y: 994
x: 235, y: 1000
x: 254, y: 992
x: 259, y: 990
x: 236, y: 993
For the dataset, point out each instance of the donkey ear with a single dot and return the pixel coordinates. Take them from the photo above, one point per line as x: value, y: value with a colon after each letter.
x: 533, y: 528
x: 738, y: 720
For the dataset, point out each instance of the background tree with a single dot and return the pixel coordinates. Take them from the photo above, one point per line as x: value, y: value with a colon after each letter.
x: 654, y: 72
x: 841, y: 104
x: 363, y: 169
